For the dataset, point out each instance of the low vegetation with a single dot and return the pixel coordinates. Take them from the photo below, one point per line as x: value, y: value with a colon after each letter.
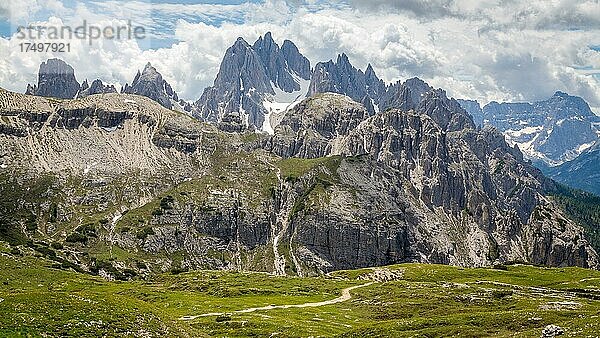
x: 584, y: 208
x: 417, y: 300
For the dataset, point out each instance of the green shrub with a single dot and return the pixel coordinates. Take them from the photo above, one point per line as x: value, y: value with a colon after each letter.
x: 145, y: 232
x: 56, y: 245
x: 223, y: 318
x: 165, y: 202
x: 500, y: 294
x: 77, y: 238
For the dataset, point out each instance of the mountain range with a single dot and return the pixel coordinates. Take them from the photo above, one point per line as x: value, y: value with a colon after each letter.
x: 559, y: 135
x: 549, y: 132
x: 57, y: 79
x: 583, y: 172
x: 348, y: 172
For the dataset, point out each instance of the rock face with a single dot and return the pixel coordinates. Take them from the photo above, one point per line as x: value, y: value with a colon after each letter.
x: 405, y: 96
x: 97, y: 87
x: 241, y: 70
x: 250, y: 76
x: 474, y: 109
x: 418, y: 185
x: 296, y: 62
x: 112, y: 133
x: 343, y: 78
x: 150, y: 83
x: 308, y: 130
x: 281, y: 65
x: 582, y: 173
x: 550, y: 132
x: 364, y: 177
x: 55, y: 79
x: 434, y: 156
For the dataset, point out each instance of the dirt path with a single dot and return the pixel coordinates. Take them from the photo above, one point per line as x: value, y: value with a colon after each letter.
x: 344, y: 297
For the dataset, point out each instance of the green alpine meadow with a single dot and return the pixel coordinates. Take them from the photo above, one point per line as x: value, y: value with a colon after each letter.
x: 299, y: 168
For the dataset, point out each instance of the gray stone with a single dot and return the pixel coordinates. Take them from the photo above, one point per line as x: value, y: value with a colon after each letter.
x: 552, y: 331
x: 150, y: 83
x: 55, y: 79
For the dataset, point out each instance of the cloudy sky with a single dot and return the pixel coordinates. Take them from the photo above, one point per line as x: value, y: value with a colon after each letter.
x: 503, y: 50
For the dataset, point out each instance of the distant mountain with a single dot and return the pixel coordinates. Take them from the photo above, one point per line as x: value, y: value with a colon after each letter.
x: 254, y: 84
x: 474, y: 109
x: 405, y: 95
x: 55, y: 79
x: 583, y: 172
x: 343, y: 78
x: 150, y: 83
x: 97, y: 87
x: 549, y: 132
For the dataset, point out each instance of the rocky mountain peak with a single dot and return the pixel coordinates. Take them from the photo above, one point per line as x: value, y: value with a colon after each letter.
x: 369, y: 72
x: 282, y: 68
x: 149, y: 69
x: 296, y: 61
x: 151, y: 84
x: 240, y: 45
x: 266, y: 43
x: 558, y: 93
x: 565, y: 105
x: 446, y: 112
x: 343, y: 78
x: 97, y: 87
x: 248, y: 77
x: 405, y: 96
x: 56, y: 78
x: 343, y: 61
x: 56, y: 66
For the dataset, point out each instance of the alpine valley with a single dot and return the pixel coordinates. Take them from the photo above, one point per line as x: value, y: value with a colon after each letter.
x: 294, y: 170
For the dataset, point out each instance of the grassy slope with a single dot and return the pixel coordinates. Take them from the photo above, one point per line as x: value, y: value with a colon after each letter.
x: 429, y: 300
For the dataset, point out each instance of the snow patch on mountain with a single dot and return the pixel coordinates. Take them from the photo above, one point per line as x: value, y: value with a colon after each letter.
x: 277, y: 105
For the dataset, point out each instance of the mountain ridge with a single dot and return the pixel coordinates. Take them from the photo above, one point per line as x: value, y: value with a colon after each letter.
x: 342, y: 180
x: 395, y: 186
x: 551, y: 131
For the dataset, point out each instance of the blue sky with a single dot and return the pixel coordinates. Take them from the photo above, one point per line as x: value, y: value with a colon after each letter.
x: 162, y: 24
x: 486, y: 50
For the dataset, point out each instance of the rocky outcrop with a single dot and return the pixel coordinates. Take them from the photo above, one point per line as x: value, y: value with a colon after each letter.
x: 150, y: 83
x: 111, y: 133
x: 405, y: 96
x: 97, y: 87
x: 55, y: 79
x: 308, y: 130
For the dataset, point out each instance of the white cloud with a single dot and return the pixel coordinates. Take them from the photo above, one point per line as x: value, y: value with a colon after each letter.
x: 485, y: 50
